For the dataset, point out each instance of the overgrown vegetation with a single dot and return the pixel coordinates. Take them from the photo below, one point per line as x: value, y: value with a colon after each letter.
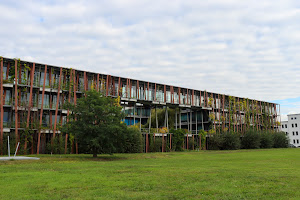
x: 250, y: 140
x: 95, y: 122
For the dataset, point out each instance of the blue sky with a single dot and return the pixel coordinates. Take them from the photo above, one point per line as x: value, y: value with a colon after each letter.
x: 231, y: 47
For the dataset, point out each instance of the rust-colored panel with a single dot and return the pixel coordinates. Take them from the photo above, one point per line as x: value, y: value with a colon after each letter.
x: 154, y: 92
x: 147, y: 143
x: 229, y: 114
x: 192, y: 97
x: 194, y: 141
x: 200, y: 103
x: 41, y: 113
x: 219, y: 111
x: 107, y: 77
x: 16, y: 102
x: 30, y: 102
x: 98, y: 82
x: 187, y: 142
x: 165, y: 93
x: 68, y: 112
x: 119, y: 86
x: 76, y: 147
x: 200, y: 147
x: 179, y: 96
x: 214, y: 102
x: 137, y: 89
x: 74, y: 81
x: 187, y: 97
x: 57, y: 102
x: 172, y: 94
x: 162, y: 142
x: 148, y: 91
x: 170, y: 142
x: 204, y: 98
x: 1, y: 106
x: 223, y: 104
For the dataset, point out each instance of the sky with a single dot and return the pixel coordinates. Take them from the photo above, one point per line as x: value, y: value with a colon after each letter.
x: 241, y: 48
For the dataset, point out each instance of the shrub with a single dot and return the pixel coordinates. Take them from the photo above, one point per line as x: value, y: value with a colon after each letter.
x: 280, y: 140
x: 191, y: 143
x: 133, y: 140
x: 177, y: 139
x: 215, y: 142
x: 250, y: 140
x: 231, y: 141
x: 266, y: 140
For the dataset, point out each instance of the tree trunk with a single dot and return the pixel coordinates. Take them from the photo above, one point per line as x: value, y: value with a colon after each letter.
x: 94, y: 153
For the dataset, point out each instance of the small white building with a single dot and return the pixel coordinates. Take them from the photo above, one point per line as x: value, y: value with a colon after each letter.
x: 292, y: 128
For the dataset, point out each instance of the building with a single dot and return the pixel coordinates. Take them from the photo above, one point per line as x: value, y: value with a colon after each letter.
x: 34, y: 95
x: 292, y: 129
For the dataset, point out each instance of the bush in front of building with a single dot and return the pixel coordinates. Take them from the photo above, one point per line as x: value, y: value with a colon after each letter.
x: 177, y: 139
x: 266, y: 140
x: 231, y: 141
x: 250, y: 140
x: 280, y: 140
x: 215, y: 142
x: 132, y: 140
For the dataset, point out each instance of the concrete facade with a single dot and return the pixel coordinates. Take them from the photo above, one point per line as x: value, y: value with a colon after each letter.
x: 34, y: 95
x: 292, y: 129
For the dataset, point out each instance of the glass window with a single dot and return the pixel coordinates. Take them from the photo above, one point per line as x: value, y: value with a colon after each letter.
x: 293, y: 133
x: 282, y: 126
x: 286, y: 126
x: 295, y: 124
x: 7, y: 97
x: 291, y: 118
x: 292, y: 125
x: 296, y: 132
x: 5, y: 116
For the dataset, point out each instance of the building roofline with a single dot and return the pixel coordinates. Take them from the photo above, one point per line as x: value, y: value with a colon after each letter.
x: 293, y: 114
x: 12, y: 59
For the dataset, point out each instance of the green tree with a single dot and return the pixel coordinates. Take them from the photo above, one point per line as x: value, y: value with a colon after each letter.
x: 96, y: 123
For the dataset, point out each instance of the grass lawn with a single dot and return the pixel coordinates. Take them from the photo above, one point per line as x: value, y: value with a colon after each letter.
x: 244, y: 174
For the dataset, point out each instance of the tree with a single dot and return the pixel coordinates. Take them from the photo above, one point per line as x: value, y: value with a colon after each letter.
x: 96, y: 122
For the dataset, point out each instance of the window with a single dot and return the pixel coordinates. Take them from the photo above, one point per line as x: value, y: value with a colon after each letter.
x: 291, y: 118
x: 295, y: 124
x: 292, y: 125
x: 293, y: 133
x: 297, y: 141
x: 286, y: 133
x: 294, y: 141
x: 295, y: 117
x: 296, y: 132
x: 282, y: 126
x: 286, y: 126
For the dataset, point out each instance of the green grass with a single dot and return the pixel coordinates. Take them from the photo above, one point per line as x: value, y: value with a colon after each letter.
x: 245, y: 174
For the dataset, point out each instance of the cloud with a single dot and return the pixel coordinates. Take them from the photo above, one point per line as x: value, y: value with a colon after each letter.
x: 230, y: 47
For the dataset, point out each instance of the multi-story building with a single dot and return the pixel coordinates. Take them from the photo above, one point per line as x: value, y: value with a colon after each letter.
x: 292, y: 129
x: 34, y: 95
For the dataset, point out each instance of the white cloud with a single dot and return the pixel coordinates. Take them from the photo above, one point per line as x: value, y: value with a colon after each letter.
x: 231, y: 47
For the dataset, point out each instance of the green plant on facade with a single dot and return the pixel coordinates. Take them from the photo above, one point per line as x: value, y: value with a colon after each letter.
x: 203, y: 135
